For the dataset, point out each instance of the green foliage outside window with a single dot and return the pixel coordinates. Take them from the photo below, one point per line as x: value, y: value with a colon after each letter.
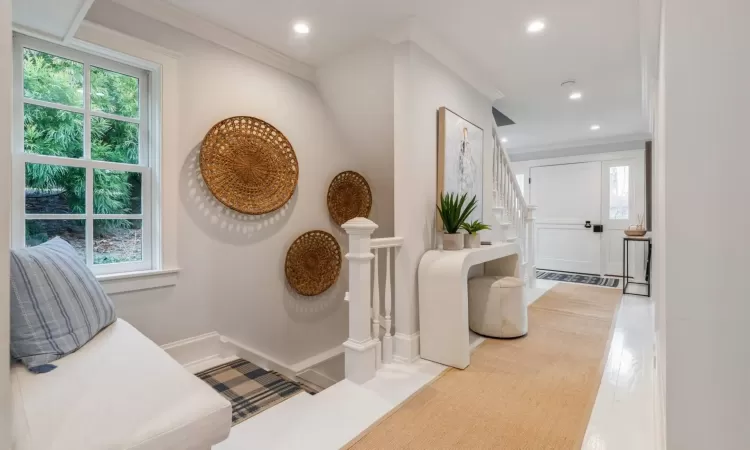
x: 54, y: 132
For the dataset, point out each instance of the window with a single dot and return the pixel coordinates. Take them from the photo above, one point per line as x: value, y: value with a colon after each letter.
x: 521, y: 179
x: 619, y: 193
x: 82, y: 161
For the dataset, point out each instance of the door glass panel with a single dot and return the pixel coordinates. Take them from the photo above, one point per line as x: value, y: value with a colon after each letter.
x: 619, y: 193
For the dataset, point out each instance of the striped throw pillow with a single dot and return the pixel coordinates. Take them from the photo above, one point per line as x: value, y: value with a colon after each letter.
x: 56, y: 304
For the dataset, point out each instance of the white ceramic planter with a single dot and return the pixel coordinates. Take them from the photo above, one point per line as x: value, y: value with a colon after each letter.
x: 453, y: 241
x: 472, y: 241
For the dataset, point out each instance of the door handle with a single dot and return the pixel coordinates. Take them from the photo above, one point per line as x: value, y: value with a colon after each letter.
x: 588, y: 224
x: 598, y: 228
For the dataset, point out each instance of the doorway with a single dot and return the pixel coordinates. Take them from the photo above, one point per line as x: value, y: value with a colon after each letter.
x: 583, y: 208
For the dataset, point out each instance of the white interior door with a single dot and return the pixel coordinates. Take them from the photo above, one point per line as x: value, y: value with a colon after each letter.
x: 568, y: 196
x: 623, y: 201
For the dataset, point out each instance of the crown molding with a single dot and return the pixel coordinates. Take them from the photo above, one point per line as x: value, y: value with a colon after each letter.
x: 33, y: 32
x: 209, y: 31
x: 414, y: 31
x: 96, y: 38
x: 603, y: 145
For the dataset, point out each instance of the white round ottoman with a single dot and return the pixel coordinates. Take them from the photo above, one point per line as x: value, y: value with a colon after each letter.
x: 497, y: 308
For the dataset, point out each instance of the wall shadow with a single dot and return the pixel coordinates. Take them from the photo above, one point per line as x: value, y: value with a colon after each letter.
x: 220, y: 222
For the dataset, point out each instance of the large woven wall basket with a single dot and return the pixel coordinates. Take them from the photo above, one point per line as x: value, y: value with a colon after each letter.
x: 349, y: 196
x: 313, y: 263
x: 249, y: 165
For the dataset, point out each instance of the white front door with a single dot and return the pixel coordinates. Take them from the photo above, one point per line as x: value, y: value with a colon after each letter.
x: 568, y: 196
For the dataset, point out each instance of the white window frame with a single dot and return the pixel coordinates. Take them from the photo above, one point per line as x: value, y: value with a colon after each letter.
x: 148, y: 165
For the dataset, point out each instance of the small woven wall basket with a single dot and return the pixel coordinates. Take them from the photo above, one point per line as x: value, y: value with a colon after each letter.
x: 249, y: 165
x: 313, y: 263
x: 349, y: 196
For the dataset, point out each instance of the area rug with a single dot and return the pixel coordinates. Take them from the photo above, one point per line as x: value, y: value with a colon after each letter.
x: 249, y: 388
x: 534, y: 393
x: 580, y: 278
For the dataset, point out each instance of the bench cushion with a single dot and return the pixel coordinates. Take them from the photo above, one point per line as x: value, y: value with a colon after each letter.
x: 56, y: 303
x: 120, y: 391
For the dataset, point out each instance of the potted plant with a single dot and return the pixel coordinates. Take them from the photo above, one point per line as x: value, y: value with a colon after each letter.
x: 473, y: 228
x: 454, y: 211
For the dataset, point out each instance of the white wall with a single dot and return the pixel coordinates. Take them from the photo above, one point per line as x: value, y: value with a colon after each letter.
x: 422, y: 86
x: 358, y: 89
x: 6, y: 81
x: 658, y: 183
x: 233, y: 282
x: 703, y: 142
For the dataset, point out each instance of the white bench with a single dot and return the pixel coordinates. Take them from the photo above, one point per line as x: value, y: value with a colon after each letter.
x: 120, y: 391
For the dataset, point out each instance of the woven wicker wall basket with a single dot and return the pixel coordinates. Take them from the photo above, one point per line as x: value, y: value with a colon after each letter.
x: 313, y: 263
x: 249, y: 165
x: 349, y: 196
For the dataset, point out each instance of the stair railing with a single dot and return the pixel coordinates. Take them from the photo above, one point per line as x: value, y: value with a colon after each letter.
x: 514, y: 216
x: 364, y: 351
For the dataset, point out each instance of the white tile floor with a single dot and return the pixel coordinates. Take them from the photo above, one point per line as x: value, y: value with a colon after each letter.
x: 622, y: 419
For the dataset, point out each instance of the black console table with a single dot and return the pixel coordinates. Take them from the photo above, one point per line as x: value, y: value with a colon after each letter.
x: 626, y: 265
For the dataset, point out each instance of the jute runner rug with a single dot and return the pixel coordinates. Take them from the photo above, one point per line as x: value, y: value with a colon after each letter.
x: 534, y: 393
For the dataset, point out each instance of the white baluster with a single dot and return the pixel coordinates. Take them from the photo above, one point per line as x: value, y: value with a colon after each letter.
x: 387, y: 338
x: 531, y: 236
x: 360, y: 348
x: 376, y: 310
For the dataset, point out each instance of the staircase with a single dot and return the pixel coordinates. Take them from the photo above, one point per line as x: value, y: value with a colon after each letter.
x: 514, y: 218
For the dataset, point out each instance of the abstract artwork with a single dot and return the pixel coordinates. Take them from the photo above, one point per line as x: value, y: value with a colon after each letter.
x: 460, y: 154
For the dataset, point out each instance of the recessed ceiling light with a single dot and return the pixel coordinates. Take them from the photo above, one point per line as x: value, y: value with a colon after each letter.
x: 504, y: 140
x: 536, y: 26
x: 595, y: 127
x: 301, y: 28
x: 576, y: 95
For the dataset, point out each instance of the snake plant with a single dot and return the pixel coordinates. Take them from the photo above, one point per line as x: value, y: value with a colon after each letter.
x: 454, y: 210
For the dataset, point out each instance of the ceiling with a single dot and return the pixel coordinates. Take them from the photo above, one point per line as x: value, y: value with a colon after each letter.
x: 53, y: 19
x: 595, y: 42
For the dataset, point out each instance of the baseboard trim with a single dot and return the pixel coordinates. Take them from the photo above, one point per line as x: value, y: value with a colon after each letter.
x: 659, y: 403
x: 195, y: 349
x: 268, y: 362
x: 406, y: 347
x: 258, y: 358
x: 318, y: 359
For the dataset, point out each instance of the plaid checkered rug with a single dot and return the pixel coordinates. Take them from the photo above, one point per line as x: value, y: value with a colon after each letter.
x: 249, y: 388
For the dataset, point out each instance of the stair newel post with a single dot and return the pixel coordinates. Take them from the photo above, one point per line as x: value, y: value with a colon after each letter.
x: 387, y: 337
x: 531, y: 245
x: 360, y: 348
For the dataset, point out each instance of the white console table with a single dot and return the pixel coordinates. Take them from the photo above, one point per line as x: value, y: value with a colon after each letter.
x: 444, y: 298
